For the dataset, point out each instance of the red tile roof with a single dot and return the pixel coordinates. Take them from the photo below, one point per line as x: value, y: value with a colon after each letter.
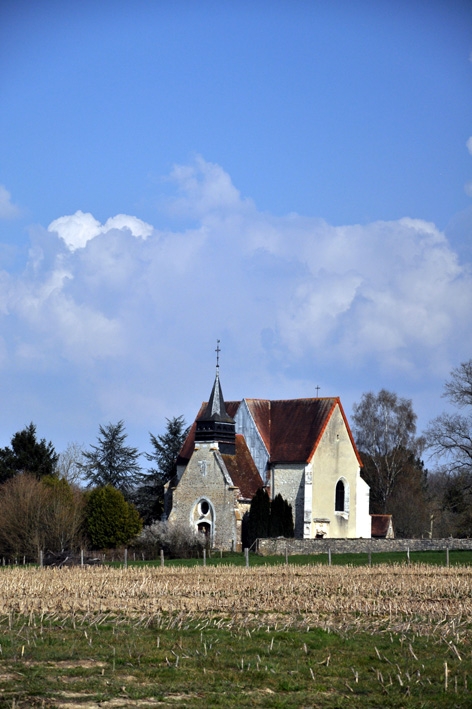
x: 242, y: 469
x: 290, y: 428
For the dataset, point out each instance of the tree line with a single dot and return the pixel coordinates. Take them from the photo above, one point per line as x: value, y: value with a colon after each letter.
x: 101, y: 497
x: 98, y: 498
x: 423, y: 503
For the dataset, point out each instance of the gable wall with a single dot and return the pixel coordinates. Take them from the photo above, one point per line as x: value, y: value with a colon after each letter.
x: 335, y: 458
x: 204, y: 478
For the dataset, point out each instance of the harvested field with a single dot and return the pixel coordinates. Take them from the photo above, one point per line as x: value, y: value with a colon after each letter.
x: 317, y: 595
x: 273, y: 636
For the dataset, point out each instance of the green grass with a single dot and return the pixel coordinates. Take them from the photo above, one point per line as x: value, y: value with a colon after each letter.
x: 210, y: 663
x: 456, y: 557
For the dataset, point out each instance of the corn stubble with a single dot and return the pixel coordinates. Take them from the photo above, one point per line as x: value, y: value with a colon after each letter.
x: 229, y: 636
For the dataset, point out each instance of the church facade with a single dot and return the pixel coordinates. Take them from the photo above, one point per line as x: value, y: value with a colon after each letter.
x: 300, y: 448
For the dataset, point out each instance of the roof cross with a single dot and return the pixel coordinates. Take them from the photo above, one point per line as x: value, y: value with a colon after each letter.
x: 317, y: 390
x: 218, y: 350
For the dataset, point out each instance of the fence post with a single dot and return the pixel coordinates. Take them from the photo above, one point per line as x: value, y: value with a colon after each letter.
x: 246, y: 554
x: 81, y: 557
x: 329, y: 556
x: 204, y: 557
x: 41, y: 557
x: 286, y: 555
x: 447, y: 556
x: 162, y: 558
x: 370, y: 557
x: 125, y: 563
x: 408, y: 554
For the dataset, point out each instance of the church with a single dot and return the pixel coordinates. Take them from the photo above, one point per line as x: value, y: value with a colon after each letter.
x: 300, y: 448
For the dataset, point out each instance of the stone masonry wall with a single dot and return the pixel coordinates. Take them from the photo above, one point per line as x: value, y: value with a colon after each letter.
x: 268, y: 547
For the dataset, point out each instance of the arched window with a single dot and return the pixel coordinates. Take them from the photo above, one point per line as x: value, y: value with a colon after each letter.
x: 340, y: 497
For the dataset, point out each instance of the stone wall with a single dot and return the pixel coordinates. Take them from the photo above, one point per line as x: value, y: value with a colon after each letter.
x: 268, y: 547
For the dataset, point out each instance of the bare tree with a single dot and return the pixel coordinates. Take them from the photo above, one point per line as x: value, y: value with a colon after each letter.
x: 68, y: 464
x: 449, y: 435
x: 38, y: 515
x: 449, y: 438
x: 385, y: 432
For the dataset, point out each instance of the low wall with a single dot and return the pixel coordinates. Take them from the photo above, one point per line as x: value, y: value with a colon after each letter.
x: 268, y: 547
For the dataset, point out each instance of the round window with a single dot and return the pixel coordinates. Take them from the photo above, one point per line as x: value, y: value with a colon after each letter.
x: 204, y: 507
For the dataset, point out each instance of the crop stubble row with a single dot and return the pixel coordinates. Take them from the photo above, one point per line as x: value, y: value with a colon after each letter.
x: 418, y: 593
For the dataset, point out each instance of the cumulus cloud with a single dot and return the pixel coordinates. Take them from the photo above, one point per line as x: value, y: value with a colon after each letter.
x: 8, y: 210
x: 79, y: 228
x: 283, y: 292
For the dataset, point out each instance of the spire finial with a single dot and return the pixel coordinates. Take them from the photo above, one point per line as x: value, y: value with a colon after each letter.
x: 317, y: 390
x: 218, y: 350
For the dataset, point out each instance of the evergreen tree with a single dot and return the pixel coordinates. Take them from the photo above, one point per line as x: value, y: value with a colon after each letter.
x: 110, y: 520
x: 27, y: 455
x: 112, y: 462
x: 259, y: 516
x: 149, y: 496
x: 281, y: 518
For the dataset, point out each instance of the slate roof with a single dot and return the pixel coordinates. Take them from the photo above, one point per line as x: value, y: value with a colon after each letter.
x: 242, y: 469
x: 215, y: 410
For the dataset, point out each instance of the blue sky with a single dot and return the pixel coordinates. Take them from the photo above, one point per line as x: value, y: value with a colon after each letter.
x: 292, y: 178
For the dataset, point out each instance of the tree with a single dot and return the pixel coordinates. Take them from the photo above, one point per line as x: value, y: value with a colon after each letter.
x: 449, y: 438
x: 27, y: 455
x: 110, y: 520
x: 111, y: 462
x: 281, y: 518
x: 39, y: 515
x: 259, y: 516
x: 385, y: 433
x: 150, y: 493
x: 64, y: 514
x: 68, y: 463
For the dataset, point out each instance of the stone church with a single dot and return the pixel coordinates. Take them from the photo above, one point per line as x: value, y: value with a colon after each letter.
x: 300, y: 448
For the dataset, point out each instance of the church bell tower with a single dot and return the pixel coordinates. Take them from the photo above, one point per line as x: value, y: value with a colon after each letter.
x: 215, y: 425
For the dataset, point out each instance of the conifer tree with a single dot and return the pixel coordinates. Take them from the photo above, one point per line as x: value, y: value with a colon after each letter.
x: 27, y: 455
x: 111, y: 462
x: 149, y: 496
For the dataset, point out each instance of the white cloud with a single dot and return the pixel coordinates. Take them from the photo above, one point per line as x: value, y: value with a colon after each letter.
x: 8, y: 210
x: 80, y: 228
x: 130, y: 312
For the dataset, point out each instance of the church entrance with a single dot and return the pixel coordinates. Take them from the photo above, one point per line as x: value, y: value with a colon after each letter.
x: 204, y: 528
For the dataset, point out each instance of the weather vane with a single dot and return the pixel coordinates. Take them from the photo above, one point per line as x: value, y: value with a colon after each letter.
x: 218, y: 350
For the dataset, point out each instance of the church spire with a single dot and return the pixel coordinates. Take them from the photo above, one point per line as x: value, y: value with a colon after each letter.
x: 215, y: 424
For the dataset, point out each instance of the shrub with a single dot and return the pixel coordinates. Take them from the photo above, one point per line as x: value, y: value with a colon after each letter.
x: 177, y: 541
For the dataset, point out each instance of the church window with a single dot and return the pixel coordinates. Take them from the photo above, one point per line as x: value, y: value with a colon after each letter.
x: 204, y: 507
x: 341, y: 498
x: 339, y: 505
